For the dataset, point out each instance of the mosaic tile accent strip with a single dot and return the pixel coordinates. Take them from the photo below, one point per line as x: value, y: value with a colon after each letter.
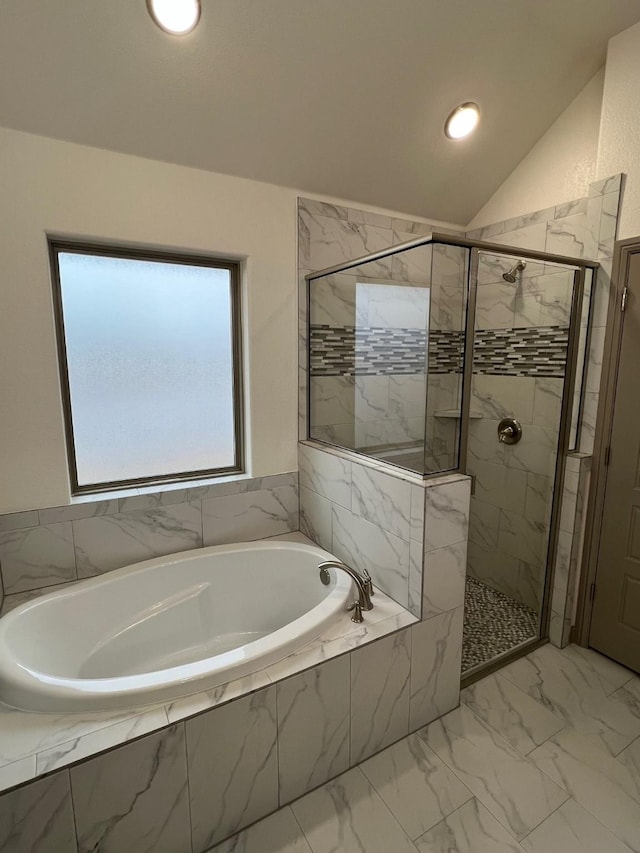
x: 494, y: 623
x: 535, y: 351
x: 371, y: 351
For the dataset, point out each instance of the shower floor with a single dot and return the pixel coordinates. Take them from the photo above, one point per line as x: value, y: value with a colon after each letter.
x: 494, y: 623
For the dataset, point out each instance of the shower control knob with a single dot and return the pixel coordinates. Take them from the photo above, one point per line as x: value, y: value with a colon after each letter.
x: 509, y: 431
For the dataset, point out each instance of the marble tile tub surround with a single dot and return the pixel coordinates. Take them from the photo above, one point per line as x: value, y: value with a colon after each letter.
x: 34, y: 744
x: 40, y: 549
x: 510, y: 771
x: 408, y: 532
x: 196, y: 781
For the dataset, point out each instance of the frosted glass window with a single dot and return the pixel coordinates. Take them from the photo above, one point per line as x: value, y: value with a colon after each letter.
x: 151, y: 378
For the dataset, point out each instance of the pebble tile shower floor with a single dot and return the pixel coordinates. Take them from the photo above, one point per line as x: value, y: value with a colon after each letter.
x: 541, y: 757
x: 493, y: 623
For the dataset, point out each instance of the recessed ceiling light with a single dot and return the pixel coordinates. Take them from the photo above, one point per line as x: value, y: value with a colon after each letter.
x: 462, y: 121
x: 177, y: 17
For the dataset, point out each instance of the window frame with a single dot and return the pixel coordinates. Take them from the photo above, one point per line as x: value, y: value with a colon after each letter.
x: 80, y: 247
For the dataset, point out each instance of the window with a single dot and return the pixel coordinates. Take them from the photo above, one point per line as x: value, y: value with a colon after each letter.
x: 149, y: 348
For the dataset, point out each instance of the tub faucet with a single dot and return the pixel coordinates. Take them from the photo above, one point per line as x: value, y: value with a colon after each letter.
x: 363, y: 583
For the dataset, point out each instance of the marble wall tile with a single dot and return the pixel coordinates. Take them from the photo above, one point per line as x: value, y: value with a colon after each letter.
x: 531, y: 236
x: 499, y: 486
x: 570, y: 208
x: 135, y: 797
x: 483, y: 442
x: 594, y: 359
x: 382, y: 499
x: 233, y: 767
x: 110, y: 541
x: 417, y: 513
x: 315, y: 518
x: 602, y: 293
x: 483, y: 524
x: 518, y: 794
x: 379, y: 694
x: 407, y: 396
x: 547, y: 402
x: 19, y: 520
x: 535, y: 218
x: 347, y: 814
x: 364, y: 545
x: 469, y: 829
x: 313, y: 727
x: 446, y: 514
x: 34, y: 557
x: 588, y: 425
x: 334, y: 241
x: 323, y: 208
x: 436, y: 648
x: 444, y: 576
x: 17, y: 772
x: 536, y: 451
x: 82, y: 510
x: 608, y: 224
x: 250, y: 516
x: 499, y: 397
x: 606, y: 185
x: 331, y: 400
x: 38, y: 817
x: 371, y: 397
x: 496, y: 569
x: 522, y: 537
x: 415, y: 784
x: 325, y: 473
x: 495, y: 306
x: 412, y: 265
x: 416, y: 563
x: 333, y: 300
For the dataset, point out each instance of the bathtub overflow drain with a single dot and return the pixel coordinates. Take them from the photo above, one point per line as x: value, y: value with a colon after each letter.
x: 325, y: 577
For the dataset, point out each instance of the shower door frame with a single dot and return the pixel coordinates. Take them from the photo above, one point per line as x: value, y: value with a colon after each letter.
x: 564, y: 427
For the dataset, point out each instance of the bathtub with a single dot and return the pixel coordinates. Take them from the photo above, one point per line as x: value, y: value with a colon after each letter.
x: 168, y: 627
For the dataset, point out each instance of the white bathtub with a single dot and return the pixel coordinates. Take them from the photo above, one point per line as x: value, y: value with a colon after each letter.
x: 171, y: 626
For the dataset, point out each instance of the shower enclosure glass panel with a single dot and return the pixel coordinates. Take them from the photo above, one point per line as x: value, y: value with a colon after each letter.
x: 386, y: 347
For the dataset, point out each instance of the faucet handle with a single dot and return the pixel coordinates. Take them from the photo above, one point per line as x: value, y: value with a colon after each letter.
x: 368, y: 582
x: 357, y: 611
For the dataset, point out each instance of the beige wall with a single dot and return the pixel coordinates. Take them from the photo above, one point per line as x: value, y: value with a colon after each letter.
x: 60, y: 188
x: 559, y: 168
x: 619, y: 149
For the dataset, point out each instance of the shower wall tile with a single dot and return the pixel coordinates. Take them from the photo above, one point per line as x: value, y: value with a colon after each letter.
x: 499, y: 397
x: 483, y: 524
x: 332, y: 399
x: 446, y: 514
x: 382, y: 499
x: 380, y: 675
x: 436, y: 650
x: 84, y: 510
x: 315, y: 517
x: 570, y: 208
x: 111, y: 541
x: 536, y: 451
x: 19, y: 520
x: 38, y: 817
x: 325, y: 208
x: 135, y: 797
x: 364, y: 545
x: 499, y: 486
x: 35, y: 557
x: 325, y: 473
x: 313, y: 727
x: 233, y: 767
x: 334, y: 241
x: 443, y: 582
x: 250, y: 516
x: 606, y: 185
x: 547, y: 402
x: 417, y: 513
x: 572, y: 237
x: 371, y: 397
x: 522, y: 537
x: 528, y: 219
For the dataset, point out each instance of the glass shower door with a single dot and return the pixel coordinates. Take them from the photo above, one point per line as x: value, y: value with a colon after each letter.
x: 521, y: 340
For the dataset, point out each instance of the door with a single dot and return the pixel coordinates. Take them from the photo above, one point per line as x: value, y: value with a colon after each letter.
x: 615, y: 625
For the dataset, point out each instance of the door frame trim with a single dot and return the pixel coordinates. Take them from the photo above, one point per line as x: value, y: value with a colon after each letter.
x: 604, y: 424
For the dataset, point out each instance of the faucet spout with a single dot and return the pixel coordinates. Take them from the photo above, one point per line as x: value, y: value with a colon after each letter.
x: 363, y: 584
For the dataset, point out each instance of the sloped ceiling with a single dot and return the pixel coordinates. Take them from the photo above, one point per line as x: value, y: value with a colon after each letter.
x: 339, y: 97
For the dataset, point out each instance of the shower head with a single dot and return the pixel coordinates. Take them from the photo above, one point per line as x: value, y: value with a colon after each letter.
x: 511, y: 276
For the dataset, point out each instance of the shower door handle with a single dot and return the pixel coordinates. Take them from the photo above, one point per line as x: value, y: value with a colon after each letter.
x: 509, y: 431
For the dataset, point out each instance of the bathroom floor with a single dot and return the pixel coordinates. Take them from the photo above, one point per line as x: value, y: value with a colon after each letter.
x: 542, y: 757
x: 494, y: 623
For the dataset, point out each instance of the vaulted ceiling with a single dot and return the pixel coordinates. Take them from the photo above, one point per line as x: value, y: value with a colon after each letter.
x: 340, y: 97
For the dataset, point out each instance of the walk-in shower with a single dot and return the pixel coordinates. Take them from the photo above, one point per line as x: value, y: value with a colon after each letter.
x: 446, y: 354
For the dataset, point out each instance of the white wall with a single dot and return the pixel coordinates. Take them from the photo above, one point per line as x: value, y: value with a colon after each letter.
x: 51, y: 187
x: 619, y: 149
x: 558, y: 168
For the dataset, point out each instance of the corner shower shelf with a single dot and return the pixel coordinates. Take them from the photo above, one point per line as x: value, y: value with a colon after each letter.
x: 455, y: 413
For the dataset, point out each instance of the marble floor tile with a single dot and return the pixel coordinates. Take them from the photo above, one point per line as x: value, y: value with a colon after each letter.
x: 347, y: 815
x: 521, y: 721
x: 278, y: 833
x: 600, y: 671
x: 597, y: 781
x: 415, y: 784
x: 630, y: 759
x: 470, y: 829
x: 571, y: 829
x: 512, y: 788
x: 572, y: 691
